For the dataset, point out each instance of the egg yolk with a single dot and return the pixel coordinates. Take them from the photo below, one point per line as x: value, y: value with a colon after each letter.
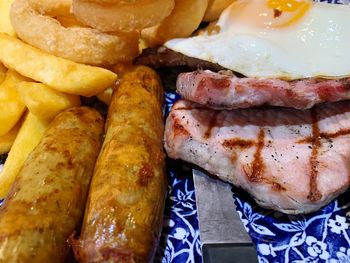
x: 269, y: 13
x: 288, y: 11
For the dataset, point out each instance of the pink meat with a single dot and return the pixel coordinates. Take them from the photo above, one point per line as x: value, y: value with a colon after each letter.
x: 220, y: 91
x: 289, y: 160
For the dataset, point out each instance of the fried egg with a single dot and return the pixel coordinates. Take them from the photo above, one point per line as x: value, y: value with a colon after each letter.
x: 287, y: 39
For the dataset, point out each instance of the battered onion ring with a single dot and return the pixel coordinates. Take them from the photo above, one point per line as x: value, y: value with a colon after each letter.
x: 83, y: 45
x: 182, y: 22
x: 69, y: 21
x: 215, y: 8
x: 112, y: 1
x: 52, y: 7
x: 122, y: 17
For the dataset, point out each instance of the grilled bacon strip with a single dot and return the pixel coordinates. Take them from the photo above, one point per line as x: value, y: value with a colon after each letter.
x: 221, y: 91
x: 288, y: 160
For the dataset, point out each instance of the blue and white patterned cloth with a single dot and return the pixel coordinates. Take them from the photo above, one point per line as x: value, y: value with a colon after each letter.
x: 323, y: 236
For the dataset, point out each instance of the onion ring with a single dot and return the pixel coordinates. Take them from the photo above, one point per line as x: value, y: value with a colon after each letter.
x: 112, y: 1
x: 182, y: 22
x: 69, y: 21
x: 5, y: 23
x: 82, y: 45
x: 215, y: 8
x: 122, y: 17
x: 52, y: 7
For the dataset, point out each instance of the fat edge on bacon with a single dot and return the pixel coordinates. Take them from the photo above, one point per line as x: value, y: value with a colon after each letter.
x: 123, y: 216
x: 46, y: 202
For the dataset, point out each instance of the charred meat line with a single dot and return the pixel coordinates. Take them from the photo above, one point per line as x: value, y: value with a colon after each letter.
x: 314, y: 194
x: 212, y: 124
x: 315, y: 141
x: 258, y: 163
x: 258, y: 167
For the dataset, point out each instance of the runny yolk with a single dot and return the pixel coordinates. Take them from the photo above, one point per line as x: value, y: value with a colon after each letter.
x: 285, y: 5
x: 288, y: 11
x: 269, y: 13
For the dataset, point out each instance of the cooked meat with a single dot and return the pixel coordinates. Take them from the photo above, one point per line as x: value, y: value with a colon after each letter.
x: 164, y: 57
x: 289, y: 160
x: 222, y: 91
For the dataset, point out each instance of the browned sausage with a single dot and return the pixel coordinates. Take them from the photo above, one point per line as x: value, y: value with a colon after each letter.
x: 46, y: 202
x: 123, y: 216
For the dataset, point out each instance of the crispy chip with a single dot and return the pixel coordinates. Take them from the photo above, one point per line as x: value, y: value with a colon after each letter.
x: 58, y: 73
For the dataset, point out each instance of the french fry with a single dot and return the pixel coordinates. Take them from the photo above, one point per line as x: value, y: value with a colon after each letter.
x: 7, y: 140
x: 43, y: 101
x: 9, y: 100
x: 58, y: 73
x: 5, y: 23
x: 3, y: 71
x: 28, y: 137
x: 106, y: 96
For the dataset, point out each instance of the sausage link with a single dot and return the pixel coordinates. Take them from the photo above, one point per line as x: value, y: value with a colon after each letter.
x: 123, y: 217
x: 46, y: 202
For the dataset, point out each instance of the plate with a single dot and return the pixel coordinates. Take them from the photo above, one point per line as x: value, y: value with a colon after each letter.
x: 322, y: 236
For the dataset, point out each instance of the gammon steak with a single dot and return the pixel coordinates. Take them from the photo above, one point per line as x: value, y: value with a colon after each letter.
x: 289, y: 160
x: 223, y: 91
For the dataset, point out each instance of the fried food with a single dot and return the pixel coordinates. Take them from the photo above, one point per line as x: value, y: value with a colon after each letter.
x: 52, y: 7
x: 10, y: 103
x: 58, y: 73
x: 182, y: 22
x: 3, y: 71
x: 112, y: 1
x: 46, y: 203
x: 69, y: 21
x: 43, y: 101
x: 123, y: 16
x: 82, y: 45
x: 5, y: 23
x: 215, y: 8
x: 6, y: 141
x: 106, y: 96
x: 28, y: 137
x: 124, y: 210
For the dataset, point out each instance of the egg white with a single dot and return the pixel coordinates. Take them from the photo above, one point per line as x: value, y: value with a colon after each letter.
x: 318, y: 45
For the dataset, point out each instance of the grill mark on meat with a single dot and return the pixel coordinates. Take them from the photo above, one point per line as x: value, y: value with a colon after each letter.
x: 258, y: 166
x: 341, y: 132
x: 211, y: 125
x: 314, y: 194
x: 277, y: 187
x: 237, y: 143
x: 243, y: 144
x: 326, y: 135
x: 179, y: 129
x: 217, y: 83
x: 315, y: 141
x: 258, y: 163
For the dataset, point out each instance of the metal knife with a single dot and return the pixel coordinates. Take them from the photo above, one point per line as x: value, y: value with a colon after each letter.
x: 223, y: 236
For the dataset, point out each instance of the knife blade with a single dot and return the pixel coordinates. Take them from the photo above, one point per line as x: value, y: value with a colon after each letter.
x: 223, y: 236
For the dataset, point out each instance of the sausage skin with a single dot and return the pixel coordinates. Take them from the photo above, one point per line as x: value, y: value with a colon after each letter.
x: 46, y: 202
x: 124, y: 211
